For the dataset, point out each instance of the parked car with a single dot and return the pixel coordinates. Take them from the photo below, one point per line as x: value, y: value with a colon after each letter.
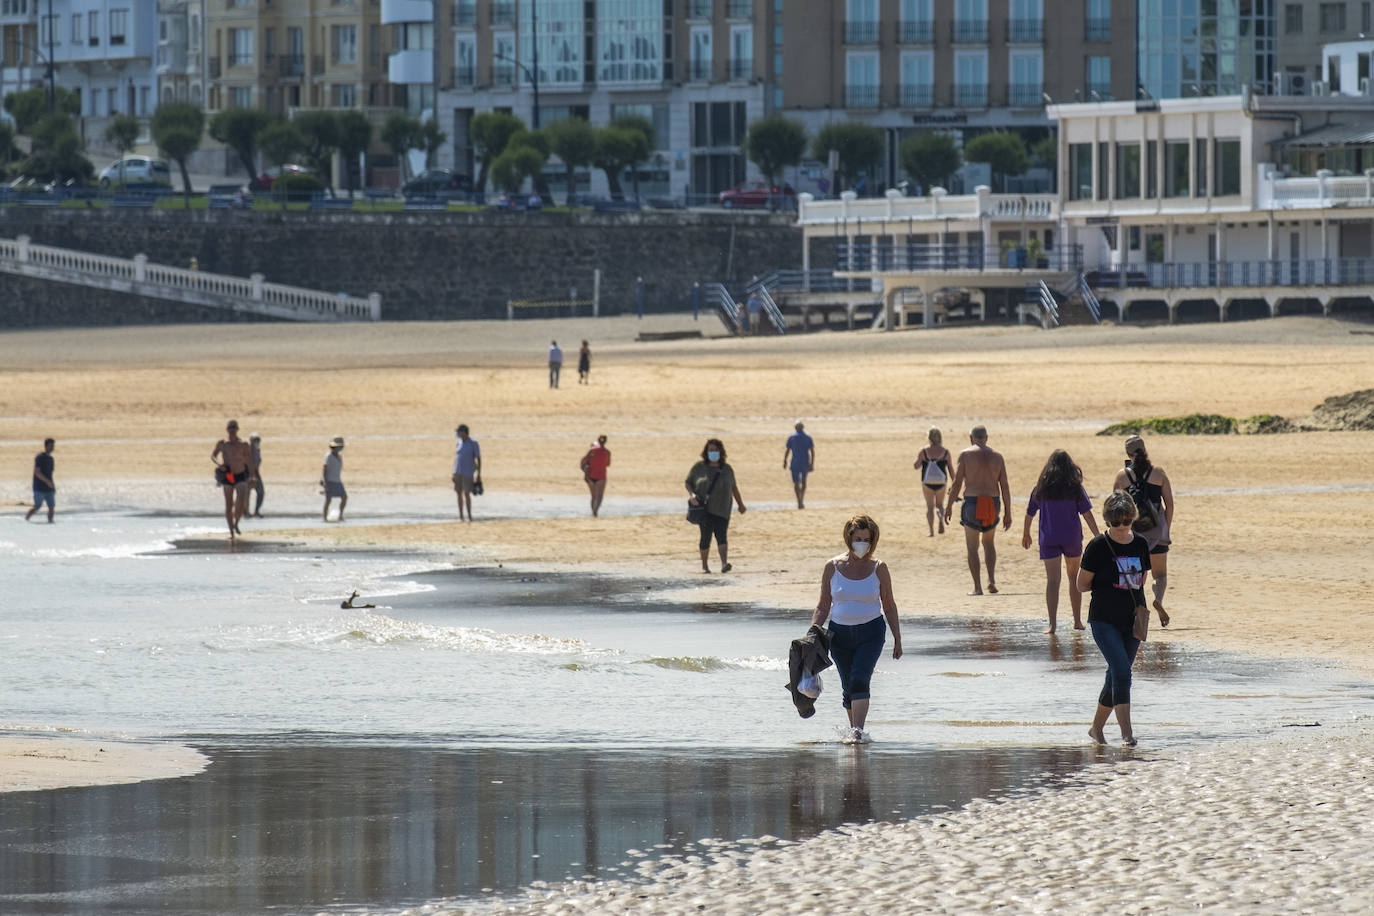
x: 264, y: 181
x: 437, y: 183
x: 759, y: 194
x: 136, y: 170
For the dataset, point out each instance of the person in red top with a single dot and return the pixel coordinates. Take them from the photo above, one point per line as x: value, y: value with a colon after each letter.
x: 594, y: 465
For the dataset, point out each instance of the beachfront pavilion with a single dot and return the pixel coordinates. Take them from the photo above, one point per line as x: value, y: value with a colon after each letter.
x: 1183, y: 209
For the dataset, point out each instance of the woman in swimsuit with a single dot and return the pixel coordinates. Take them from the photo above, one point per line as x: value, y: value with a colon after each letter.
x: 856, y: 598
x: 594, y: 465
x: 1161, y: 497
x: 933, y: 462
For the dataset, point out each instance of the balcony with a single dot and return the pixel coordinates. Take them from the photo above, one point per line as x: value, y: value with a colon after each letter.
x: 503, y: 14
x: 971, y: 95
x: 464, y: 77
x: 700, y: 9
x: 1097, y: 30
x: 969, y: 31
x: 291, y: 65
x: 918, y: 96
x: 503, y: 75
x: 214, y: 68
x: 1013, y: 208
x: 742, y: 69
x: 861, y: 96
x: 1026, y: 31
x: 860, y: 31
x: 240, y: 60
x: 916, y: 33
x: 410, y: 67
x: 699, y: 71
x: 740, y: 9
x: 465, y: 14
x: 1097, y: 92
x: 1025, y: 95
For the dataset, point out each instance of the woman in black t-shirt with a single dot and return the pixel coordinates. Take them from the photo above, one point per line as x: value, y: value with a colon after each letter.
x: 1113, y: 571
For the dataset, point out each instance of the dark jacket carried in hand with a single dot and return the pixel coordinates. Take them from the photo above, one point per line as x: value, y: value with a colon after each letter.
x: 810, y: 653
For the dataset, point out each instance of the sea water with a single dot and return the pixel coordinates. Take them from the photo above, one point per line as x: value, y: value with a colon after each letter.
x: 485, y: 728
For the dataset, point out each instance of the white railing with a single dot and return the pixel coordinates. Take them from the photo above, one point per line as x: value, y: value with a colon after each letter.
x: 1316, y: 192
x: 20, y: 255
x: 939, y: 205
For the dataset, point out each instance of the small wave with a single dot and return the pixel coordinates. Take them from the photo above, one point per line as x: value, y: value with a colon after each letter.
x: 704, y: 664
x: 969, y: 674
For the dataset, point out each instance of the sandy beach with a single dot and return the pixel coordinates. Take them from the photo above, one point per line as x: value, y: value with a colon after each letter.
x: 1270, y: 551
x: 28, y: 764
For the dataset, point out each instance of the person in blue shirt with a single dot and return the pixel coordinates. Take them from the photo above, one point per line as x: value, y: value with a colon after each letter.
x: 467, y: 471
x: 803, y: 461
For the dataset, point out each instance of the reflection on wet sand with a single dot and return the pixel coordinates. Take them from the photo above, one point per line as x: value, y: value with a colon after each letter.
x: 315, y: 826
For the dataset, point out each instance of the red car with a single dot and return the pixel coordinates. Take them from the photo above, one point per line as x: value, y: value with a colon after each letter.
x: 758, y: 194
x: 264, y: 181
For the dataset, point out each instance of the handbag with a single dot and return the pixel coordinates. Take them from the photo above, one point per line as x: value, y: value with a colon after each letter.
x: 1141, y: 629
x: 696, y: 514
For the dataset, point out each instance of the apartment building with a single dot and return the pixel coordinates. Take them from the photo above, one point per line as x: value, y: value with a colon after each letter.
x: 1191, y: 48
x: 102, y: 51
x: 1305, y: 27
x: 181, y: 51
x: 284, y: 54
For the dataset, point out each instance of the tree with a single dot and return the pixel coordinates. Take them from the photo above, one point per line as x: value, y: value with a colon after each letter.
x: 31, y: 105
x: 354, y: 136
x: 177, y: 129
x: 58, y: 151
x: 574, y: 141
x: 320, y: 130
x: 616, y: 149
x: 490, y: 132
x: 431, y: 139
x: 401, y: 133
x: 645, y: 127
x: 1004, y: 153
x: 122, y: 134
x: 280, y: 142
x: 512, y: 166
x: 6, y: 145
x: 238, y: 128
x: 858, y: 146
x: 538, y: 141
x: 930, y: 157
x: 1047, y: 151
x: 773, y: 144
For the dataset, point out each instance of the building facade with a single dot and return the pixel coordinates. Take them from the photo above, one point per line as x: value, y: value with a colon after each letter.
x: 181, y: 61
x: 1190, y: 48
x: 1304, y: 27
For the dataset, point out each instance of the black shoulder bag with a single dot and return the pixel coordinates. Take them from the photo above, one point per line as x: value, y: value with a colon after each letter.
x: 697, y: 514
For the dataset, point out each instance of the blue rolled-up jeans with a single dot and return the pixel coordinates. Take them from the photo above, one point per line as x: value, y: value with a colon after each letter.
x: 855, y: 649
x: 1119, y: 650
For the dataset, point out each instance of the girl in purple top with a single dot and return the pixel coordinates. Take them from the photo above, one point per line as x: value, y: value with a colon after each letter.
x: 1059, y: 498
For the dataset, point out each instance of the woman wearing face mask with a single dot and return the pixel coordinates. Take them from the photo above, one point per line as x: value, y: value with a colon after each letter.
x: 856, y: 596
x: 711, y: 483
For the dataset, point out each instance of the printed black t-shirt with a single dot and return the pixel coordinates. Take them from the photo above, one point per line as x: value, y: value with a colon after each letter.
x: 1118, y: 579
x: 42, y: 462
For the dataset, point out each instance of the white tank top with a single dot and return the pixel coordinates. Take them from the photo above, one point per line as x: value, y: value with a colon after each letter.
x: 854, y: 601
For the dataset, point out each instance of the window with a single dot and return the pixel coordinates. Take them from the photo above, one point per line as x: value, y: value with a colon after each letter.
x: 240, y: 47
x: 1200, y: 168
x: 503, y: 59
x: 1151, y: 168
x: 1333, y: 17
x: 1127, y: 171
x: 1227, y: 169
x: 971, y: 20
x: 241, y: 97
x: 861, y: 79
x: 1027, y: 70
x: 345, y: 44
x: 1104, y: 170
x: 119, y: 26
x: 1292, y: 19
x: 1080, y: 171
x: 1027, y: 23
x: 918, y: 21
x: 1098, y: 25
x: 343, y: 95
x: 268, y: 45
x: 971, y: 79
x: 918, y: 79
x: 701, y: 53
x: 47, y: 31
x: 112, y: 100
x: 1176, y: 169
x: 861, y: 21
x: 465, y: 62
x: 76, y: 28
x: 93, y: 28
x: 1099, y: 78
x: 741, y: 52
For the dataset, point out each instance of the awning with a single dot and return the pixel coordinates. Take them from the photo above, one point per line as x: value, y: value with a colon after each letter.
x: 1356, y: 134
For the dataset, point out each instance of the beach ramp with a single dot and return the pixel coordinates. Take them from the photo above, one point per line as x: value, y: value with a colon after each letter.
x: 136, y: 276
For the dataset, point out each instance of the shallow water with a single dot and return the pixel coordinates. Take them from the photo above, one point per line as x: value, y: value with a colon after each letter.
x: 488, y: 729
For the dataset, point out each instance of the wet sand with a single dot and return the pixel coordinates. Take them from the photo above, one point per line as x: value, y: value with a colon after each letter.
x: 29, y: 764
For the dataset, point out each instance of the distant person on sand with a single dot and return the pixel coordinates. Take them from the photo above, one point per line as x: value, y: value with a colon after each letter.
x: 594, y: 466
x: 584, y: 364
x: 255, y: 444
x: 856, y: 597
x: 1113, y: 573
x: 803, y: 451
x: 555, y: 363
x: 234, y: 471
x: 331, y: 478
x: 981, y: 475
x: 754, y: 308
x: 467, y: 470
x: 1154, y: 484
x: 711, y: 484
x: 44, y: 489
x: 1058, y: 497
x: 934, y: 462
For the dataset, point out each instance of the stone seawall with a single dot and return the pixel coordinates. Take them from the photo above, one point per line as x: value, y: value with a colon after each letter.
x: 425, y: 265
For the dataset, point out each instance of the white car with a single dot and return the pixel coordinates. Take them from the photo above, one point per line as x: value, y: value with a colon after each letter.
x: 136, y: 170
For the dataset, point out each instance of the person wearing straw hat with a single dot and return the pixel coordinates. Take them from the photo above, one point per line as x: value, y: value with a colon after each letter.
x: 331, y: 477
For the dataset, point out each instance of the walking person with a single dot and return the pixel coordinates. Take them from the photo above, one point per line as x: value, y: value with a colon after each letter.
x: 467, y: 470
x: 555, y: 363
x: 44, y: 489
x: 255, y: 446
x: 1059, y: 499
x: 803, y: 451
x: 1113, y: 573
x: 1154, y: 496
x: 934, y: 462
x: 594, y: 467
x: 856, y: 599
x: 234, y: 472
x: 584, y: 364
x: 982, y: 475
x: 711, y: 484
x: 331, y: 478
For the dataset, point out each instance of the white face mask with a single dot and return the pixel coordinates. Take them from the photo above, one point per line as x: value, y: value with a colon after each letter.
x: 859, y: 548
x: 713, y: 456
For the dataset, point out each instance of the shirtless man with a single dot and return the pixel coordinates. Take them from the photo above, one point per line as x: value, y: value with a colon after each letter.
x: 234, y: 457
x: 982, y: 475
